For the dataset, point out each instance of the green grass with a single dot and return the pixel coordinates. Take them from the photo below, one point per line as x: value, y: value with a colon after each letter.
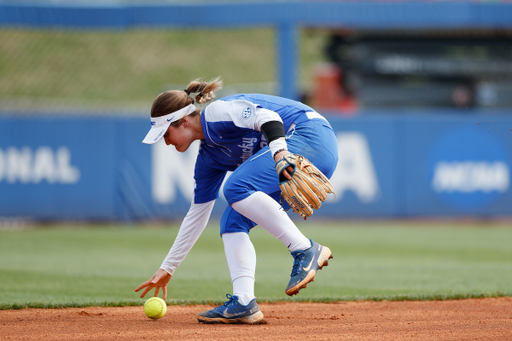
x: 75, y: 267
x: 127, y: 69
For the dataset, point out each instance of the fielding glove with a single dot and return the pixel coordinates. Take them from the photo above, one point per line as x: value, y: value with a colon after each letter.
x: 308, y: 187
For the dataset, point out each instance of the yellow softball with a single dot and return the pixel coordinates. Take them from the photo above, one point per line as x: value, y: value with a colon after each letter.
x: 155, y: 308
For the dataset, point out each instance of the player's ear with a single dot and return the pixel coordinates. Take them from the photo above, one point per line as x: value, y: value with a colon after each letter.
x: 186, y: 122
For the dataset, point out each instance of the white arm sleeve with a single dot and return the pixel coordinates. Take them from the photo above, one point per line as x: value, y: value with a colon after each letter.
x: 242, y: 113
x: 191, y: 228
x: 263, y: 116
x: 245, y: 114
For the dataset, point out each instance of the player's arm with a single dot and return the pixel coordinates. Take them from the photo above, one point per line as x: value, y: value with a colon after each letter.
x: 272, y: 127
x: 191, y: 228
x: 208, y: 181
x: 247, y: 115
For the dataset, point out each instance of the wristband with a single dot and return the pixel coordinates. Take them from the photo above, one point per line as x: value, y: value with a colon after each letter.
x: 279, y: 151
x: 273, y: 130
x: 278, y: 145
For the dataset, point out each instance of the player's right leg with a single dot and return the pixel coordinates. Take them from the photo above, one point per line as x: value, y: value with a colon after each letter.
x: 241, y: 307
x: 232, y: 311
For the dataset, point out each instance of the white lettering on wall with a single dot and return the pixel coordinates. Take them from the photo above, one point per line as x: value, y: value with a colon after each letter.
x: 172, y: 170
x: 471, y: 176
x: 355, y: 171
x: 25, y: 165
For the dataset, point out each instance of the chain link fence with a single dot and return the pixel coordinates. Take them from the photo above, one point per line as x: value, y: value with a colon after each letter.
x: 97, y: 70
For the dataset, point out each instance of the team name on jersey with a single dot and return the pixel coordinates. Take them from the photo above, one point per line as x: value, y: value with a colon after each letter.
x: 247, y: 147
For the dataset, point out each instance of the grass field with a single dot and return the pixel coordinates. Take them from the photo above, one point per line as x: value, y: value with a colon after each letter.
x: 102, y: 265
x: 127, y: 69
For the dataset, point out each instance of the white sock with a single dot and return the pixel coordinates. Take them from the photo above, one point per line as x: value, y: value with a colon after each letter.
x: 266, y: 212
x: 241, y: 258
x: 243, y: 287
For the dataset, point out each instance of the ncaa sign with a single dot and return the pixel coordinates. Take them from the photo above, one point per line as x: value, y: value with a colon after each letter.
x: 469, y: 169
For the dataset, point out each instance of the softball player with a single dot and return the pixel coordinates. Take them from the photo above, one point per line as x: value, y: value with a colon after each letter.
x: 246, y: 134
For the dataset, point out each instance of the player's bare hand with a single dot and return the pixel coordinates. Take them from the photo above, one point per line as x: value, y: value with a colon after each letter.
x: 159, y: 280
x: 288, y: 170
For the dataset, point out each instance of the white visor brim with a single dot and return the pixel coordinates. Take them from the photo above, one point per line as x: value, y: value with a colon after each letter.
x: 155, y: 134
x: 159, y: 125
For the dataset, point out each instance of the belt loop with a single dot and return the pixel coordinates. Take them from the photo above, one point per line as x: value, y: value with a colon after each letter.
x: 292, y: 126
x: 313, y: 114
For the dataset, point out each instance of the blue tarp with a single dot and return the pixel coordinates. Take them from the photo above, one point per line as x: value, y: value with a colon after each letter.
x: 95, y: 168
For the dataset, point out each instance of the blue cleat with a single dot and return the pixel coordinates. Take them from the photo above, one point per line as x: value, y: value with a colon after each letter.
x: 307, y: 263
x: 232, y: 312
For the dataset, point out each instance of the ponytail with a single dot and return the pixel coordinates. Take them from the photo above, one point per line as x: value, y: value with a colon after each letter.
x: 174, y: 100
x: 205, y: 90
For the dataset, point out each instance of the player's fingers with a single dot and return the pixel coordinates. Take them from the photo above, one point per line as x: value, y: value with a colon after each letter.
x: 157, y: 290
x: 145, y: 291
x: 165, y: 292
x: 145, y: 284
x: 286, y: 174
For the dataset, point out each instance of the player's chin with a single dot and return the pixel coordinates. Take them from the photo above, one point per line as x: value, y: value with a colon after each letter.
x: 181, y: 149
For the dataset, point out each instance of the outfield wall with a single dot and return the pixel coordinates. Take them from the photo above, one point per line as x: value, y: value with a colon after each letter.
x: 391, y: 165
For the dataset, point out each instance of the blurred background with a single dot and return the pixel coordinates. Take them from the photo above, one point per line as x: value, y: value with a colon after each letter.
x: 419, y: 94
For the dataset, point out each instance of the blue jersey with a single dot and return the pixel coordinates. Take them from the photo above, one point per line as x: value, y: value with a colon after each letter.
x: 231, y: 136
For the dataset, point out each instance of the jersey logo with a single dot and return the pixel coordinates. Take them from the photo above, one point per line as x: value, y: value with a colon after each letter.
x: 247, y: 147
x: 246, y: 112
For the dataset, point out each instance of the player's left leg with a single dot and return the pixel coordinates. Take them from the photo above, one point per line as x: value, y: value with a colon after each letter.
x: 246, y: 190
x: 309, y: 256
x: 253, y: 193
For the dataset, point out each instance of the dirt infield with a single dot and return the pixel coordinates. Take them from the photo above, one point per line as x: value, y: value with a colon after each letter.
x: 477, y: 319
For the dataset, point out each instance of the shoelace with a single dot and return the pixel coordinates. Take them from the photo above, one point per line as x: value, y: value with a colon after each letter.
x: 230, y: 299
x: 225, y: 304
x: 299, y: 256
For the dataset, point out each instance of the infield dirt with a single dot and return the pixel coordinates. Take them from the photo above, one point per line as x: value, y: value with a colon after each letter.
x: 475, y: 319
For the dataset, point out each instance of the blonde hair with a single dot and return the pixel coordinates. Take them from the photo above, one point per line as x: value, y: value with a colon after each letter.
x: 174, y: 100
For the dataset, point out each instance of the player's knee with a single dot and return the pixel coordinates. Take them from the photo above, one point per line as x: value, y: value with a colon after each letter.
x: 232, y: 190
